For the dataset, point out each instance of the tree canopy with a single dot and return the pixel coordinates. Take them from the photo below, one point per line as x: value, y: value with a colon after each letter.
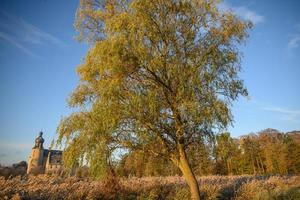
x: 159, y: 76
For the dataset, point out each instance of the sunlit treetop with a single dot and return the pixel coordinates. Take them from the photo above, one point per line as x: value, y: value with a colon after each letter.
x: 159, y: 76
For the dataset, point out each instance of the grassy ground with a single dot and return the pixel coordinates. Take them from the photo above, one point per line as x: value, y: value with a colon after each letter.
x: 212, y: 187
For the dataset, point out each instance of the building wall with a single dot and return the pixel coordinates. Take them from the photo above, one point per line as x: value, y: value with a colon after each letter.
x: 36, y: 162
x: 53, y: 169
x: 40, y: 163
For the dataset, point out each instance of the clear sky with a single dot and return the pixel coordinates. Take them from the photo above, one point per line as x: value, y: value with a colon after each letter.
x: 39, y: 54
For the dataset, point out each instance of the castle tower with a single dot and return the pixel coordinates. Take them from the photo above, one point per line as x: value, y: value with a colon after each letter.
x: 36, y: 159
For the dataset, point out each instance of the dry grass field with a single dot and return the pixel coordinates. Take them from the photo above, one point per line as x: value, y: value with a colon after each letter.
x: 212, y: 187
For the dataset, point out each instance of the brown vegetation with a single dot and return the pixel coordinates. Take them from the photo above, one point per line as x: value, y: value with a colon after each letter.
x: 212, y: 187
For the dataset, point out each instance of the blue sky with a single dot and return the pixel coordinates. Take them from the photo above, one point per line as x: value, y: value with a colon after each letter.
x: 39, y: 54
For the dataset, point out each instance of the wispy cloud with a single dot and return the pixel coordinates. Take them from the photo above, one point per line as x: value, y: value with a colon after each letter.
x: 282, y: 110
x: 288, y: 114
x: 35, y: 35
x: 22, y: 34
x: 17, y: 45
x: 244, y: 12
x: 294, y: 40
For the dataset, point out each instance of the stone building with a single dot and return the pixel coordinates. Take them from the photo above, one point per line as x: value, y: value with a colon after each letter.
x: 44, y: 160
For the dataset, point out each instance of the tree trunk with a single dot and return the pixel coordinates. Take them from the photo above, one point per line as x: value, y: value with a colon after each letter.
x: 188, y: 174
x: 261, y: 164
x: 228, y: 166
x: 253, y: 164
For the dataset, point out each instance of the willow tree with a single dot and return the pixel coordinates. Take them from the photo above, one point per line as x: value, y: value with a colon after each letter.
x: 159, y: 76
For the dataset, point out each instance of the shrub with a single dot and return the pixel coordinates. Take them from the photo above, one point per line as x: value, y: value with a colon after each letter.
x: 18, y: 169
x: 272, y: 188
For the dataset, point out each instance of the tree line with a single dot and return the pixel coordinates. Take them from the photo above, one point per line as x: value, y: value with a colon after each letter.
x: 266, y: 152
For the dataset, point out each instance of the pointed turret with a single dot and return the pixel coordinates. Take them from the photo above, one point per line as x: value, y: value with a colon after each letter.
x: 36, y: 159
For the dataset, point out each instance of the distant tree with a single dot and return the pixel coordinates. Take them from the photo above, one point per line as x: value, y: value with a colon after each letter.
x: 292, y: 143
x: 252, y: 155
x: 274, y: 149
x: 227, y: 154
x: 159, y: 77
x: 200, y: 157
x: 17, y: 169
x: 139, y: 163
